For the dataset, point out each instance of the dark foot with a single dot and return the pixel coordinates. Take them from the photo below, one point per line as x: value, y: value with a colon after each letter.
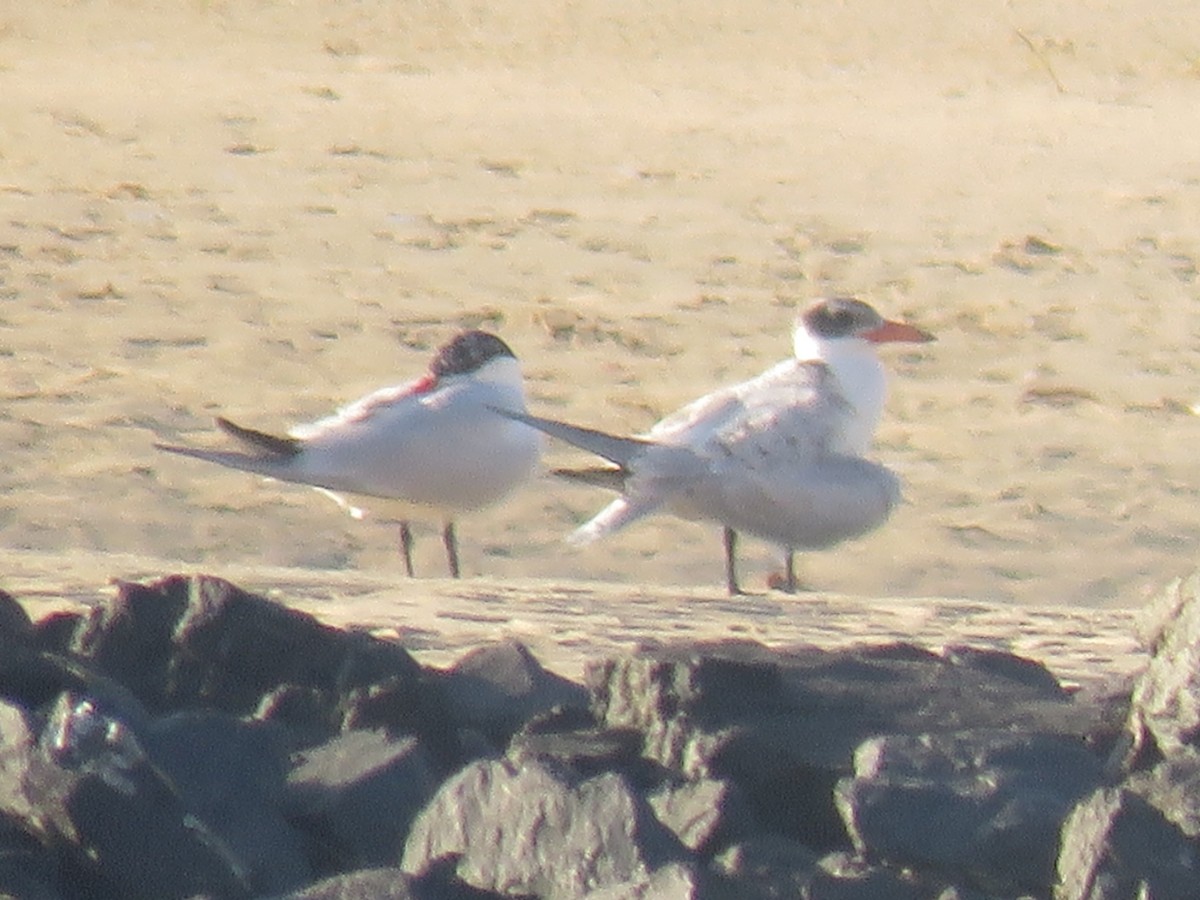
x: 778, y: 581
x: 786, y: 580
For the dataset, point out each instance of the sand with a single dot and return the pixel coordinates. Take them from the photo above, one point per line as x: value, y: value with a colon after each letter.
x: 265, y: 210
x: 567, y: 623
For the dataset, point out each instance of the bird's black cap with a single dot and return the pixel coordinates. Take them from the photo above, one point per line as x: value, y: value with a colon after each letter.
x: 466, y: 352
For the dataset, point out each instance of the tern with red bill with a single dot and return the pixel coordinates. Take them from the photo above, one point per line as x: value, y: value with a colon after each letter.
x: 780, y: 457
x: 435, y: 445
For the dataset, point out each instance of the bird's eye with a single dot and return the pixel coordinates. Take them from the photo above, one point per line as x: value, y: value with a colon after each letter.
x: 838, y: 320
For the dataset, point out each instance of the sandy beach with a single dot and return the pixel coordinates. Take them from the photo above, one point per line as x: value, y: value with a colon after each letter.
x: 267, y: 211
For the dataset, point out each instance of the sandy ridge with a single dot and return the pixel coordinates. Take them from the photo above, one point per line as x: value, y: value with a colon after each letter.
x: 566, y: 623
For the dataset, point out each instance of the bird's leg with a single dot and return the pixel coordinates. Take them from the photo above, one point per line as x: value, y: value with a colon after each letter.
x: 406, y: 545
x: 731, y: 562
x: 451, y: 543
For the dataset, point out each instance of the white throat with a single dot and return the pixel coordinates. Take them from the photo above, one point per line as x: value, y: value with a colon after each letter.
x: 861, y: 376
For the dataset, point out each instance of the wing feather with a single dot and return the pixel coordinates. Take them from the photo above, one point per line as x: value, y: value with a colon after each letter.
x: 794, y: 412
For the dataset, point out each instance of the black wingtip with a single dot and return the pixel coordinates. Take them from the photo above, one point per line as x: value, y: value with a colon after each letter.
x: 609, y: 477
x: 270, y: 443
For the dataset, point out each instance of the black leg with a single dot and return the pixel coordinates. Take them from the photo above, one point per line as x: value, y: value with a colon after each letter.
x: 451, y: 543
x: 406, y: 545
x: 731, y: 562
x: 789, y: 562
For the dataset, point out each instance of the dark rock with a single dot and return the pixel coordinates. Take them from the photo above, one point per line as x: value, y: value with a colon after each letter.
x: 768, y: 865
x: 15, y: 624
x: 304, y: 713
x: 115, y: 823
x: 1111, y: 739
x: 356, y: 796
x: 17, y: 747
x: 784, y: 726
x: 389, y: 884
x: 440, y: 881
x: 1157, y: 619
x: 27, y: 870
x: 20, y: 880
x: 1009, y: 666
x: 498, y: 688
x: 405, y: 705
x: 366, y: 884
x: 674, y: 881
x: 201, y: 642
x: 532, y: 830
x: 1165, y: 707
x: 129, y: 638
x: 231, y: 648
x: 191, y: 739
x: 568, y: 737
x: 33, y: 678
x: 985, y: 804
x: 1173, y: 788
x: 1116, y: 846
x: 703, y: 814
x: 954, y: 892
x: 56, y: 632
x: 841, y: 876
x: 231, y: 774
x: 364, y: 660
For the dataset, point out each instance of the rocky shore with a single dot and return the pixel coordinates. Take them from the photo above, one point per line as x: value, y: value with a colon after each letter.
x: 188, y: 738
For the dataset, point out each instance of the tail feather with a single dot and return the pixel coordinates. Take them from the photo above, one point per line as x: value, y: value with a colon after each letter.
x: 612, y: 518
x: 272, y: 467
x: 615, y: 449
x: 271, y: 457
x: 274, y: 445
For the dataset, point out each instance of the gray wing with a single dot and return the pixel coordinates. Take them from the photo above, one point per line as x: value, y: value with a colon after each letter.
x: 774, y: 470
x: 791, y: 414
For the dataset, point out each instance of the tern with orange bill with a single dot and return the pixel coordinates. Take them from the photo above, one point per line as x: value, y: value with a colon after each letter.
x: 781, y: 456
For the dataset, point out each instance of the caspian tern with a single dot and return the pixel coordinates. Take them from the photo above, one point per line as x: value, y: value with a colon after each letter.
x: 780, y: 456
x: 434, y: 444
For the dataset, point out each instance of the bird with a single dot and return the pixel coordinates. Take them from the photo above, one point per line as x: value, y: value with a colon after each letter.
x: 780, y: 456
x: 432, y: 445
